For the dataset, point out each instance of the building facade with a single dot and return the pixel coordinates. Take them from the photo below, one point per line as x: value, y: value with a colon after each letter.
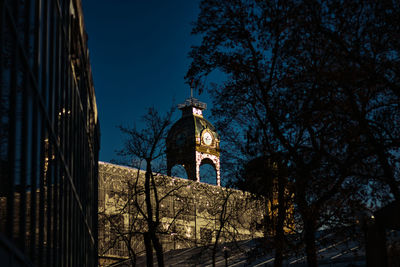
x: 49, y: 136
x: 193, y: 214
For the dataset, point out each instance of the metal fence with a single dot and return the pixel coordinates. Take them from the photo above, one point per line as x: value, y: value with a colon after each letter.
x: 49, y: 136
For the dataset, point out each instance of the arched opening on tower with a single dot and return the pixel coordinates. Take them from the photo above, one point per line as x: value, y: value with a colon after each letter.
x: 179, y: 171
x: 208, y: 173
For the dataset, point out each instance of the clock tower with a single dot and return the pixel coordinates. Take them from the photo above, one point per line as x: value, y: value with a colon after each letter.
x: 193, y: 141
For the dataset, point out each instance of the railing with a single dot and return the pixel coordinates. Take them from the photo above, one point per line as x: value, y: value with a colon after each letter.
x: 193, y: 102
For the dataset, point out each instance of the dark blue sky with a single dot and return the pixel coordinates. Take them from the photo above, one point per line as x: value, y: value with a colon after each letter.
x: 139, y: 55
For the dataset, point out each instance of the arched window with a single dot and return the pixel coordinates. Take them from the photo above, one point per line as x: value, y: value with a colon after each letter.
x: 208, y: 173
x: 179, y: 171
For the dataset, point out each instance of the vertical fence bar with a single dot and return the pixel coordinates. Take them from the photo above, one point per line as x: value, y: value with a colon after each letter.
x: 3, y: 114
x: 36, y: 136
x: 45, y: 138
x: 56, y: 200
x: 2, y: 37
x: 12, y: 119
x: 53, y: 140
x: 27, y: 133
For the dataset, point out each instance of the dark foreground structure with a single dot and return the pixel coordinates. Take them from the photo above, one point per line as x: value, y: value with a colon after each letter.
x: 49, y: 136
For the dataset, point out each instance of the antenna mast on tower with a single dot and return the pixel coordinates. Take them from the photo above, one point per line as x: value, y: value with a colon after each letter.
x: 191, y: 89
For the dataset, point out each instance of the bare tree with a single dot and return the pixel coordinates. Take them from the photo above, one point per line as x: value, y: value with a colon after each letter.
x: 120, y: 224
x: 225, y: 217
x: 123, y: 221
x: 145, y: 147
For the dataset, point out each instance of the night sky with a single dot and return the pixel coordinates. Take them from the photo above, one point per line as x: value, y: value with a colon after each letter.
x: 139, y: 57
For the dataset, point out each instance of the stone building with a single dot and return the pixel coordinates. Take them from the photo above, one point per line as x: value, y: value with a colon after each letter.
x: 192, y: 213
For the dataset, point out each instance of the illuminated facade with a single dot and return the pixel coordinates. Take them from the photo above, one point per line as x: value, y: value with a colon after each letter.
x: 192, y: 213
x: 49, y: 136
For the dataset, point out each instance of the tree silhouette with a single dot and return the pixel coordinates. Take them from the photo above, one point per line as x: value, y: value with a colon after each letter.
x: 123, y: 218
x: 145, y: 147
x: 312, y: 81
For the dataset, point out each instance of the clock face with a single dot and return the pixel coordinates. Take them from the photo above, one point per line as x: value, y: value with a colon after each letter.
x: 207, y: 138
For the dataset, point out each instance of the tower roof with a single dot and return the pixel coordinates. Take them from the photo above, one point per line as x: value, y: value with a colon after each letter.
x: 187, y: 131
x: 191, y: 127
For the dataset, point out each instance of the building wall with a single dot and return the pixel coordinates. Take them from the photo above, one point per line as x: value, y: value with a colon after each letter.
x: 191, y: 213
x: 49, y: 136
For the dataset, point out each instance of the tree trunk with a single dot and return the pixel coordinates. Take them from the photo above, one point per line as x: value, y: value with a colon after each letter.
x: 279, y: 232
x: 279, y: 236
x: 222, y: 220
x: 132, y: 255
x: 215, y: 247
x: 158, y: 248
x: 152, y: 225
x: 309, y: 236
x: 214, y: 251
x: 149, y: 209
x: 149, y: 250
x: 133, y: 260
